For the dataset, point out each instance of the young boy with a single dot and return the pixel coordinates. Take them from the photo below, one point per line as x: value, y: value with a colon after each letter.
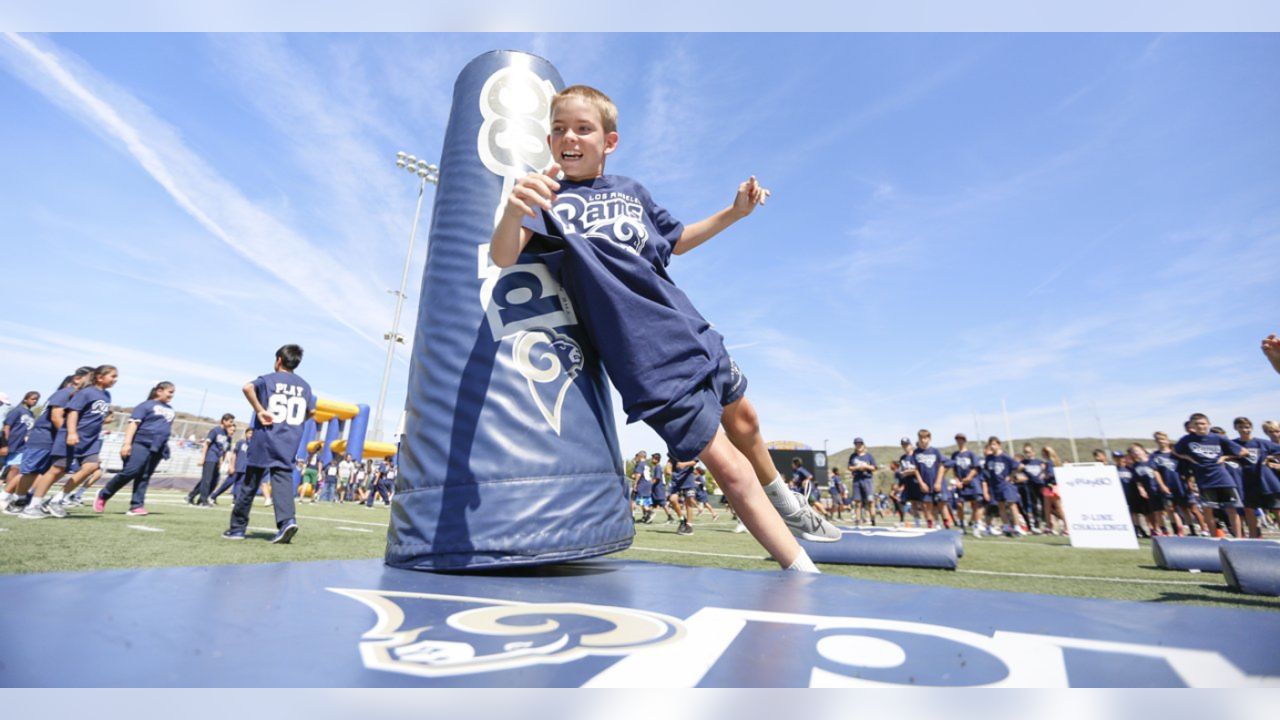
x: 999, y: 467
x: 1261, y: 483
x: 1207, y: 454
x: 1182, y: 508
x: 609, y: 243
x: 931, y: 466
x: 862, y: 468
x: 282, y: 403
x: 964, y: 466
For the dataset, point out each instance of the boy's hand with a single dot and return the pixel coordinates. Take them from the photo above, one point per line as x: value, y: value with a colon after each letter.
x: 73, y: 438
x: 750, y: 194
x: 266, y: 418
x: 125, y: 451
x: 534, y: 190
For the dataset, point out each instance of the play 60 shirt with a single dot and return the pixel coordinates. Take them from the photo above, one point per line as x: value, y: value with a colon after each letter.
x: 930, y: 464
x: 289, y: 400
x: 154, y: 419
x: 19, y: 421
x: 1203, y: 453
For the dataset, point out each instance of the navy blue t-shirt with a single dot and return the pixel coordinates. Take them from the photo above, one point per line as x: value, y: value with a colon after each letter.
x: 858, y: 475
x: 1204, y: 451
x: 1145, y: 473
x: 1125, y: 474
x: 905, y: 467
x: 289, y: 400
x: 1257, y: 450
x: 962, y: 461
x: 608, y: 244
x: 19, y: 421
x: 998, y: 468
x: 242, y: 456
x: 931, y: 464
x: 154, y: 419
x: 219, y: 442
x: 1167, y: 465
x: 1034, y: 470
x: 800, y: 476
x: 92, y: 404
x: 41, y: 435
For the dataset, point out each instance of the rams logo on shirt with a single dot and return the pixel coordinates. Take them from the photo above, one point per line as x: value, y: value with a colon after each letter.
x: 614, y: 217
x: 432, y: 635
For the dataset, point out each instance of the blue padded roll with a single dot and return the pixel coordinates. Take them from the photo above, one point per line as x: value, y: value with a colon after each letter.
x: 1187, y: 553
x: 1252, y: 567
x: 859, y: 547
x: 510, y: 456
x: 1194, y: 553
x: 957, y: 535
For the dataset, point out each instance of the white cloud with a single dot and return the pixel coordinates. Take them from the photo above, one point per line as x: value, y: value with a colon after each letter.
x: 208, y: 198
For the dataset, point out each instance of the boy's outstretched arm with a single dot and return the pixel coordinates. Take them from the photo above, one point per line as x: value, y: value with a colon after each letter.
x: 750, y: 194
x: 535, y: 190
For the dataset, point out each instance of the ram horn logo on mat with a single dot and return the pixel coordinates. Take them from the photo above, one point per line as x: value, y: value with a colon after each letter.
x: 431, y: 635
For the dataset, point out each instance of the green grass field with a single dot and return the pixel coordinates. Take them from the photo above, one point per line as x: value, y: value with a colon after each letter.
x: 176, y: 534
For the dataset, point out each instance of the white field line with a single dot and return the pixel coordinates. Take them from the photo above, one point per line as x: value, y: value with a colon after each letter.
x: 145, y: 528
x: 182, y: 504
x: 351, y: 529
x: 972, y: 572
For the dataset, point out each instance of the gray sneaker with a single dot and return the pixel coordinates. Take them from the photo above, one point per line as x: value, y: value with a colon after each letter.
x: 55, y: 509
x: 33, y: 511
x: 807, y: 524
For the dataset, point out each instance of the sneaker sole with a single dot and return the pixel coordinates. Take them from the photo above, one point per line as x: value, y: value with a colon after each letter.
x: 232, y: 537
x: 285, y: 536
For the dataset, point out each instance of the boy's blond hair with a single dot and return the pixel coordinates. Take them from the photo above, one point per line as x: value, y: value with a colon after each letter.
x: 1270, y: 425
x: 588, y: 94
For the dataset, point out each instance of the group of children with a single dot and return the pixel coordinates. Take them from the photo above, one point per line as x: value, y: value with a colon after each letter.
x: 66, y: 439
x: 343, y: 480
x: 1205, y: 483
x: 685, y: 496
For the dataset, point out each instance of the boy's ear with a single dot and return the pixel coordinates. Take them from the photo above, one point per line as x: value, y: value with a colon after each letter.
x: 610, y: 142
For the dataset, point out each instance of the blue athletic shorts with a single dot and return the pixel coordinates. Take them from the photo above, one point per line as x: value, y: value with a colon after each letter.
x: 862, y: 490
x: 36, y: 460
x: 645, y: 501
x: 15, y: 460
x: 688, y: 424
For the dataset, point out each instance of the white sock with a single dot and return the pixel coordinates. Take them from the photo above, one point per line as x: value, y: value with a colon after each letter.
x: 784, y: 501
x: 57, y: 497
x: 4, y: 496
x: 803, y: 564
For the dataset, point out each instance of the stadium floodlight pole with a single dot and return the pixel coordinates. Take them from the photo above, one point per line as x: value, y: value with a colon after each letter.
x: 427, y: 173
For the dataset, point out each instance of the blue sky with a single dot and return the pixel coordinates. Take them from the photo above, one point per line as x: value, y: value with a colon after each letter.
x: 956, y: 220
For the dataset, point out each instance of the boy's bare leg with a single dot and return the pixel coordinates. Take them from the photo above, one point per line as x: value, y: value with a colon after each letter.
x: 742, y: 424
x: 737, y: 477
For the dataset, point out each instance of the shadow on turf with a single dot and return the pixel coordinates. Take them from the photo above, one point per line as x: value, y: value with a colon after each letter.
x: 1222, y: 595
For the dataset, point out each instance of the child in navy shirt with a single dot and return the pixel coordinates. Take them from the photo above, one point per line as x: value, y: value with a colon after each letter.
x: 609, y: 244
x: 146, y: 443
x: 932, y: 469
x: 1207, y: 454
x: 17, y: 423
x: 1261, y: 484
x: 862, y: 467
x: 37, y: 454
x: 215, y: 445
x: 282, y: 403
x: 76, y: 443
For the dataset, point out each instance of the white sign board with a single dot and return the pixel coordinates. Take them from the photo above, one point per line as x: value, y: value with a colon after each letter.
x: 1093, y: 501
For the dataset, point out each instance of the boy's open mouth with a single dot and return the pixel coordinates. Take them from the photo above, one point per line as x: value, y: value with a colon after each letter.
x: 570, y: 155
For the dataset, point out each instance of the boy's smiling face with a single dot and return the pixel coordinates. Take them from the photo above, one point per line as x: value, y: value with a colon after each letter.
x: 578, y: 140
